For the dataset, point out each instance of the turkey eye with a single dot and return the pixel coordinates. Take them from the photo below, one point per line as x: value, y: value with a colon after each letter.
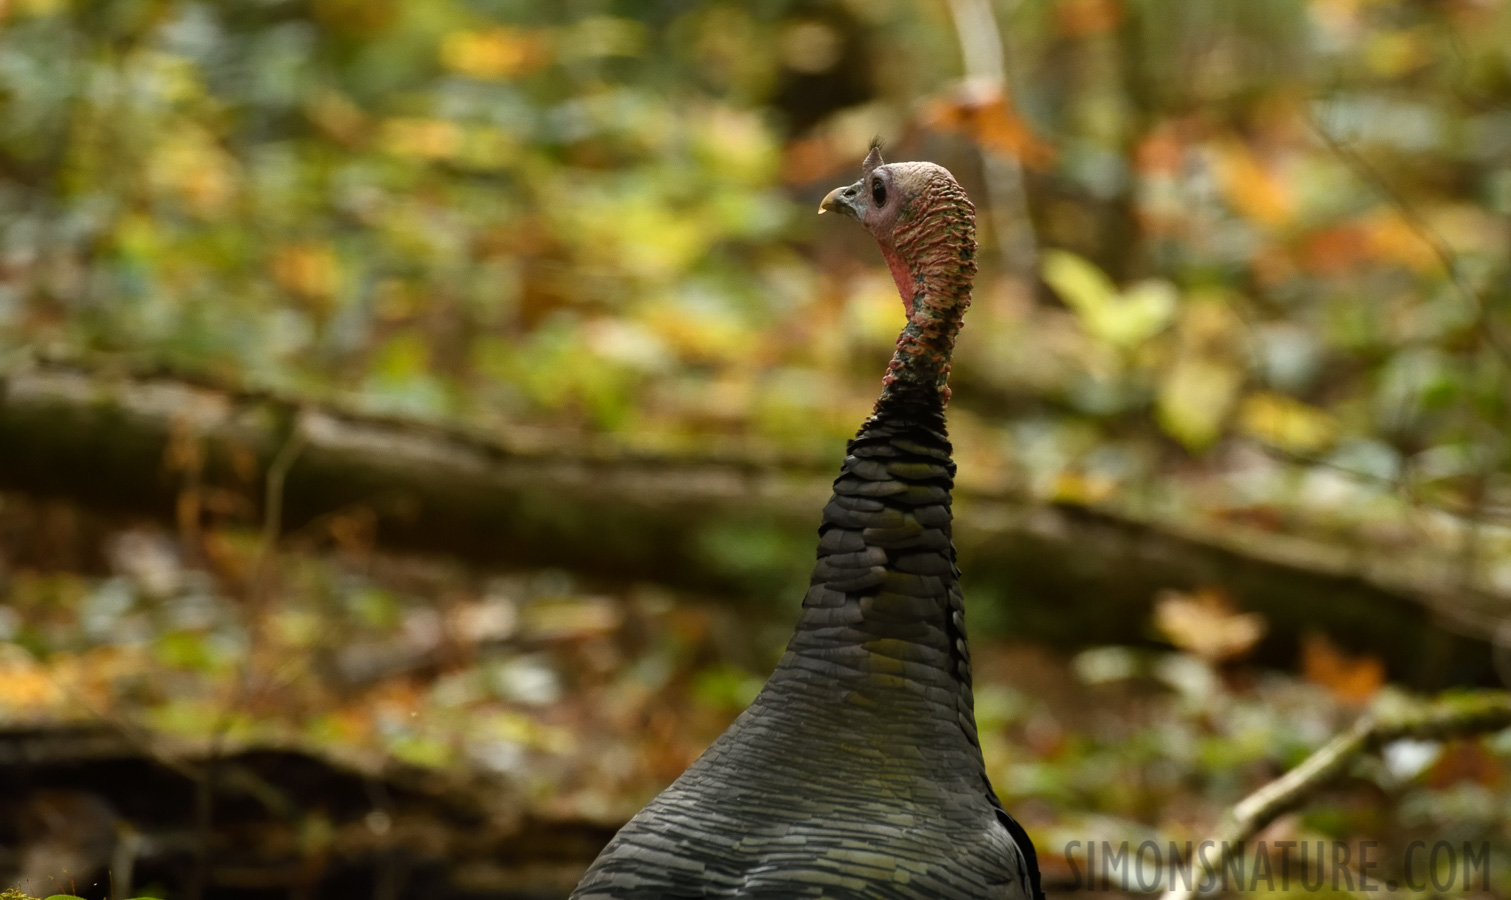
x: 879, y: 192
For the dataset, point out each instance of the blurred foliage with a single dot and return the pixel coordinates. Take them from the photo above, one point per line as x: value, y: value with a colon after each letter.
x: 1274, y: 290
x: 1278, y: 230
x: 577, y: 701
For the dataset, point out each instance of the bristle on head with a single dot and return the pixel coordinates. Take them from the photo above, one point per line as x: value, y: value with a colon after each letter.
x: 873, y: 159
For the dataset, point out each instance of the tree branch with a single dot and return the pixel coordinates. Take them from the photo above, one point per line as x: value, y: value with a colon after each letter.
x: 1440, y: 720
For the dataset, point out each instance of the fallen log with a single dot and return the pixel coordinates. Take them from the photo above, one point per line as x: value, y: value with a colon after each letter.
x: 1065, y: 575
x: 88, y: 810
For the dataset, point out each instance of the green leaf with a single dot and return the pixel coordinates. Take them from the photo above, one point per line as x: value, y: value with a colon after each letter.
x: 726, y: 687
x: 1144, y: 310
x: 1123, y: 320
x: 185, y: 649
x: 1079, y: 283
x: 1194, y: 399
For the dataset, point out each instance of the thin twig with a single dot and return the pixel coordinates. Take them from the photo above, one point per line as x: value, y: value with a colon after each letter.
x: 1424, y: 230
x: 257, y: 590
x: 272, y: 517
x: 272, y: 525
x: 1440, y: 720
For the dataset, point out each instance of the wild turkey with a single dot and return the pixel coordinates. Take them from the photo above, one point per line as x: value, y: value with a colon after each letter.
x: 856, y: 772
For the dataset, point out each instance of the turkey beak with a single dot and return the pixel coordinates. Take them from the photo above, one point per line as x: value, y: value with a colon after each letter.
x: 845, y: 201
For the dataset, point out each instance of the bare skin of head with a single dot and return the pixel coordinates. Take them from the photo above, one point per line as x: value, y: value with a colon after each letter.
x: 926, y: 229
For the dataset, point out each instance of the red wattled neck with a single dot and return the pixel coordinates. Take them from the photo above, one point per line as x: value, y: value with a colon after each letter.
x: 902, y: 276
x: 933, y: 261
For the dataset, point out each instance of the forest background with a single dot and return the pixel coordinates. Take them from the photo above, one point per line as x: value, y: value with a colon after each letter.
x: 414, y: 416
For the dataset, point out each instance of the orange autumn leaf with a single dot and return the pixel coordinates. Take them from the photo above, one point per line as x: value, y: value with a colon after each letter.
x: 422, y: 139
x: 310, y: 270
x: 1352, y: 679
x: 1334, y: 251
x: 352, y: 722
x: 1391, y: 237
x: 1383, y: 236
x: 1272, y: 264
x: 1079, y: 18
x: 1255, y: 191
x: 1161, y: 152
x: 1466, y: 761
x: 1206, y: 623
x: 984, y: 113
x: 361, y: 18
x: 26, y: 686
x: 337, y: 117
x: 395, y: 698
x: 811, y: 158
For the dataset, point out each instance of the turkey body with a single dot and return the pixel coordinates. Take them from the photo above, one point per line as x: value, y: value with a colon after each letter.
x: 857, y: 771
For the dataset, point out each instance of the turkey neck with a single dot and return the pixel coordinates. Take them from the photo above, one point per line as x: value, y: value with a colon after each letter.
x: 931, y: 253
x: 882, y: 632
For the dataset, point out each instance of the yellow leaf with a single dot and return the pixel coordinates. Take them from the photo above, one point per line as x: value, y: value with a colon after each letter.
x: 311, y: 271
x: 494, y: 54
x: 1396, y: 53
x: 34, y: 7
x: 488, y: 149
x: 352, y: 722
x: 1079, y: 487
x: 735, y: 143
x: 1142, y: 310
x: 1287, y: 422
x: 698, y: 334
x: 421, y: 138
x: 1195, y: 397
x: 405, y: 355
x: 25, y: 685
x: 1123, y: 320
x: 189, y: 163
x: 1198, y: 391
x: 1389, y: 236
x: 1079, y: 283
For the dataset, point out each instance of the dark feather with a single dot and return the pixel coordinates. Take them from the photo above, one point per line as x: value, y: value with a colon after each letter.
x: 873, y: 159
